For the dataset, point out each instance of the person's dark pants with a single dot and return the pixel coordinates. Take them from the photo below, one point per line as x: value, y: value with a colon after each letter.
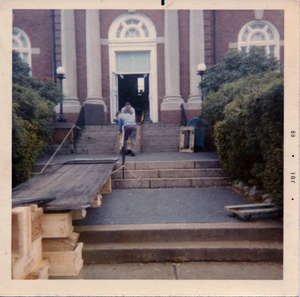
x: 130, y: 130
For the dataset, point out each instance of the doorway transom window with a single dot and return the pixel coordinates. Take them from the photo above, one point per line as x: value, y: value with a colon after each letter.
x: 261, y: 34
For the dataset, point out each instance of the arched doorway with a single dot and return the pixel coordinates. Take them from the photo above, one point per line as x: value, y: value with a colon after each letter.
x: 133, y: 64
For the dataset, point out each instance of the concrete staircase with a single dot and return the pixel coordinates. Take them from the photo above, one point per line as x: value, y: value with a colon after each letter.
x: 248, y: 242
x: 160, y: 138
x: 97, y: 140
x: 170, y: 174
x: 102, y: 139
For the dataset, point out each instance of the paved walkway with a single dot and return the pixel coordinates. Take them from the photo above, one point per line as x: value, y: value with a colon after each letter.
x: 182, y: 271
x: 159, y: 206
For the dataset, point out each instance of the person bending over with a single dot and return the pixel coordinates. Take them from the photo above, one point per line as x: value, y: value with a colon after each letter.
x: 127, y: 123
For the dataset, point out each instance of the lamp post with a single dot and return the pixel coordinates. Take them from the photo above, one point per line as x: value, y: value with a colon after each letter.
x: 60, y: 74
x: 200, y: 71
x: 201, y: 68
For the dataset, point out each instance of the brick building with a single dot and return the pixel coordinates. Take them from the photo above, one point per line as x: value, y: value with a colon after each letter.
x: 148, y: 57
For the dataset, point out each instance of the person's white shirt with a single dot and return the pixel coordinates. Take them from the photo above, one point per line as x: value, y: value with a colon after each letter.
x: 129, y: 109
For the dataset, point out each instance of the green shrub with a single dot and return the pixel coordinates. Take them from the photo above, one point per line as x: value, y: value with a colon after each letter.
x: 214, y: 103
x: 249, y: 133
x: 32, y: 109
x: 237, y: 65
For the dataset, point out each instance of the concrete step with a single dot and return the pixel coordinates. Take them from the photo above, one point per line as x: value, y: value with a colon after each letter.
x: 189, y: 232
x: 159, y: 149
x: 170, y: 173
x: 182, y: 252
x: 94, y: 146
x: 95, y: 151
x: 146, y: 165
x: 154, y: 183
x: 100, y: 128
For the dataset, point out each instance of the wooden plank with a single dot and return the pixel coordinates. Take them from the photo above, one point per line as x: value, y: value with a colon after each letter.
x: 78, y: 214
x: 107, y: 186
x: 248, y: 206
x: 65, y: 263
x: 40, y: 270
x: 21, y: 231
x: 257, y: 211
x: 23, y: 265
x: 57, y: 225
x: 138, y: 138
x: 75, y: 186
x: 60, y: 244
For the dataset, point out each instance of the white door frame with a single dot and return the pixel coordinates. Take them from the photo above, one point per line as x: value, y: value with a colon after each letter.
x: 153, y: 93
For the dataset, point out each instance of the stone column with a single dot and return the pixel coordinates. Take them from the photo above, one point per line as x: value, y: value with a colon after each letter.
x: 172, y: 99
x: 197, y: 55
x: 93, y: 59
x: 68, y: 46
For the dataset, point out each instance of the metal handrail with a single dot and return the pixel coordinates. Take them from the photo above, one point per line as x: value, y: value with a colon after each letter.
x: 37, y: 173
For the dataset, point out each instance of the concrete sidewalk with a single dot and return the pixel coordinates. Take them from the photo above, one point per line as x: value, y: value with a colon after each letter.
x: 182, y: 271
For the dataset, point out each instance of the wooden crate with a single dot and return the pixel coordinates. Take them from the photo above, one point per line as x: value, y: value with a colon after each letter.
x: 57, y: 225
x: 65, y: 263
x: 187, y: 133
x: 40, y: 270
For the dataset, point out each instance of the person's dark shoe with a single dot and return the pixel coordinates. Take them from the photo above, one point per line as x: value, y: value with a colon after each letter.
x: 133, y: 154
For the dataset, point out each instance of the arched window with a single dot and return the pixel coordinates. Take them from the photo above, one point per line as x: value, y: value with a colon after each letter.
x: 261, y: 34
x: 131, y: 27
x: 21, y: 43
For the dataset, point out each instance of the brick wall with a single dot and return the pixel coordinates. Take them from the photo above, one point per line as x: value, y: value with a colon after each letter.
x: 37, y: 25
x: 230, y: 22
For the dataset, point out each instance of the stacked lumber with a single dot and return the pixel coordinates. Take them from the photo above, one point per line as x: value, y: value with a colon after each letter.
x: 27, y: 258
x: 60, y: 245
x: 44, y: 245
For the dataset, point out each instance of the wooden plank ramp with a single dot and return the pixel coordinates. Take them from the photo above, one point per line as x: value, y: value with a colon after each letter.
x: 247, y: 210
x: 75, y: 184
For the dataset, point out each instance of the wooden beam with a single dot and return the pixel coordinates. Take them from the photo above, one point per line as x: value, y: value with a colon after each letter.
x: 23, y: 265
x: 36, y: 222
x: 60, y: 244
x: 21, y: 231
x: 57, y: 225
x: 65, y: 263
x: 40, y: 270
x: 107, y: 186
x: 98, y: 201
x: 78, y: 214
